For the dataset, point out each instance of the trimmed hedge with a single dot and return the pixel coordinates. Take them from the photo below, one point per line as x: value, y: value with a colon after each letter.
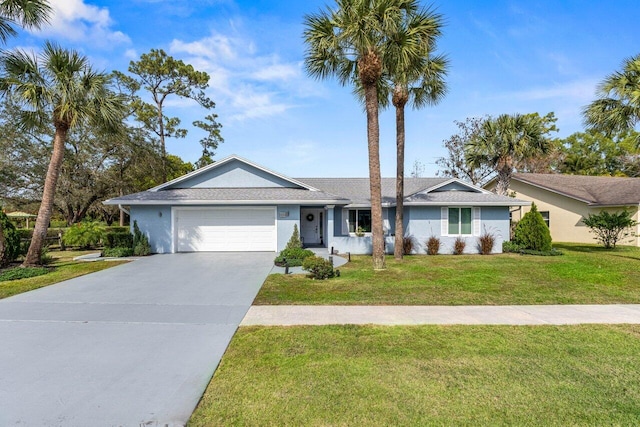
x: 292, y: 257
x: 118, y: 239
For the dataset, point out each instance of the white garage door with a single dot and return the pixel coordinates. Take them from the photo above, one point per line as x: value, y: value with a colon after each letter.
x: 225, y: 229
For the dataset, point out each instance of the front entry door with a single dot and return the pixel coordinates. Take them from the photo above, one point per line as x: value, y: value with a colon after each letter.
x: 311, y: 226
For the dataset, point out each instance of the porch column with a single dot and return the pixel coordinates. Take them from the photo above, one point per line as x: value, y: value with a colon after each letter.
x: 330, y: 228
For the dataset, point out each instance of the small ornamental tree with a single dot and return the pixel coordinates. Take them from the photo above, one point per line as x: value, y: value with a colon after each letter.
x: 609, y: 228
x: 9, y: 240
x: 294, y: 241
x: 532, y: 232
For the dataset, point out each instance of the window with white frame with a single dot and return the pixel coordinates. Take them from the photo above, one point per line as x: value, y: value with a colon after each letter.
x: 460, y: 221
x: 360, y: 219
x: 545, y: 216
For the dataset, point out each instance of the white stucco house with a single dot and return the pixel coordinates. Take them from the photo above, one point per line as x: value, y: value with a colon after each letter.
x: 238, y: 205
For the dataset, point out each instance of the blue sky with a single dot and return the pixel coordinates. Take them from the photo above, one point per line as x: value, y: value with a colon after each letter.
x: 506, y: 57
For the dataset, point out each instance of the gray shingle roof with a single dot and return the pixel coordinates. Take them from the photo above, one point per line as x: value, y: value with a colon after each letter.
x: 463, y: 198
x: 593, y: 190
x: 208, y: 195
x: 357, y: 189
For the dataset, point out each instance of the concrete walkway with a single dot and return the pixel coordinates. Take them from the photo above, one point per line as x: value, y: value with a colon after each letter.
x: 133, y: 345
x: 442, y: 315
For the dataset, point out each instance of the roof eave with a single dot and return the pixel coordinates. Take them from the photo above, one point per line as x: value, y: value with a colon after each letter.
x: 220, y: 202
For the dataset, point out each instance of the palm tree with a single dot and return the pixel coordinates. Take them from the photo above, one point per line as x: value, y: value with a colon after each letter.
x: 351, y: 43
x: 504, y: 142
x: 618, y: 108
x: 58, y: 86
x: 417, y: 75
x: 25, y: 13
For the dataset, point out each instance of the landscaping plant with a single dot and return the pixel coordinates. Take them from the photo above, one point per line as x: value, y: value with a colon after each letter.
x: 433, y: 245
x: 85, y: 235
x: 609, y: 228
x: 458, y: 246
x: 9, y: 241
x: 532, y: 232
x: 486, y: 242
x: 408, y: 244
x: 510, y: 246
x: 292, y: 257
x: 318, y: 267
x: 141, y: 245
x: 294, y: 242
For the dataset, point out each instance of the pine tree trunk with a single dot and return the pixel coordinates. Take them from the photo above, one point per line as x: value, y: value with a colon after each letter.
x: 373, y: 139
x: 162, y: 143
x: 46, y: 206
x: 398, y: 250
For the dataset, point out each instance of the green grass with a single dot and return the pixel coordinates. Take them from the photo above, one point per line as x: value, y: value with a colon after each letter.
x: 585, y: 274
x: 426, y: 375
x: 62, y: 268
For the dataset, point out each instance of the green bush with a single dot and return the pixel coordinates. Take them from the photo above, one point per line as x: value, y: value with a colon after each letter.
x: 532, y: 232
x: 433, y: 245
x: 294, y: 241
x: 510, y: 247
x: 141, y: 245
x: 86, y: 235
x: 609, y: 228
x: 23, y: 273
x: 293, y: 257
x: 318, y: 268
x: 117, y: 252
x: 118, y: 239
x: 10, y: 247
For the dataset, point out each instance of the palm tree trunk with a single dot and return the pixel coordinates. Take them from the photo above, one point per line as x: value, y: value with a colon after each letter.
x: 398, y: 249
x: 46, y: 206
x: 373, y: 140
x: 504, y: 179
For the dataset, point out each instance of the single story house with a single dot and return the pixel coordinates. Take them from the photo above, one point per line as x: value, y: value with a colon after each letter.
x: 237, y: 205
x: 563, y: 200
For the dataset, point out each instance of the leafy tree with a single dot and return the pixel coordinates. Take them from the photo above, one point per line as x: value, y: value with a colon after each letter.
x: 58, y: 84
x: 415, y: 74
x: 609, y: 228
x: 532, y: 232
x: 455, y: 164
x: 211, y: 141
x: 25, y: 13
x: 617, y: 108
x: 353, y: 42
x: 162, y: 76
x: 504, y: 142
x: 9, y: 240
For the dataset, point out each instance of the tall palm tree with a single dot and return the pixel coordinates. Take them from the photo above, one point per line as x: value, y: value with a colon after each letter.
x: 415, y: 74
x: 58, y: 86
x: 351, y: 43
x: 25, y: 13
x: 505, y: 141
x: 617, y: 108
x: 28, y: 14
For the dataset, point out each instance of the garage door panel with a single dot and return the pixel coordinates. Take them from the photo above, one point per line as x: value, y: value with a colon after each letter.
x: 215, y: 230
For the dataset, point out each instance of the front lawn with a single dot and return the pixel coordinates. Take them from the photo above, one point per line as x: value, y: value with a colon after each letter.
x: 62, y: 268
x: 427, y: 375
x: 585, y: 274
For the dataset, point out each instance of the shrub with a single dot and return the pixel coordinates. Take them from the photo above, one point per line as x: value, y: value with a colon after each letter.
x: 459, y: 245
x: 118, y: 239
x: 510, y: 247
x: 23, y: 273
x: 609, y: 228
x: 408, y: 245
x: 141, y: 245
x: 9, y: 240
x: 433, y: 245
x: 294, y: 241
x: 318, y: 268
x: 86, y: 235
x: 532, y: 232
x: 293, y: 257
x: 486, y: 242
x: 118, y: 252
x: 45, y: 256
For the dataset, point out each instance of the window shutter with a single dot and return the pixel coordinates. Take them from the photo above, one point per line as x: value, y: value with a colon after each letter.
x: 444, y: 221
x: 477, y: 229
x: 345, y: 222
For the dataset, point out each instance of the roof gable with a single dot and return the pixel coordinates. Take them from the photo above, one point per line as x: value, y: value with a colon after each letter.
x: 232, y: 172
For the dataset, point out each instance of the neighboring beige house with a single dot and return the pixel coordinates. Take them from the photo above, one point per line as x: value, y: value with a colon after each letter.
x: 564, y: 199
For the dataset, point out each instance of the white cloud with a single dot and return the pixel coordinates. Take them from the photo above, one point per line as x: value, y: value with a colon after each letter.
x: 245, y: 83
x: 577, y: 91
x: 80, y: 22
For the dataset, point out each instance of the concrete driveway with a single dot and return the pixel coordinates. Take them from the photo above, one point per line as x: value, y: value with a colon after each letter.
x: 131, y: 345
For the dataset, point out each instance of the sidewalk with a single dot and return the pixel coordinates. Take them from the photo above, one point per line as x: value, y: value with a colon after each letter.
x: 289, y: 315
